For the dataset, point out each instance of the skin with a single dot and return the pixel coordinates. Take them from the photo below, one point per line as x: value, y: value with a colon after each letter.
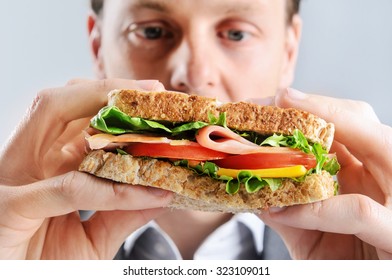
x: 355, y: 224
x: 40, y: 193
x: 198, y: 54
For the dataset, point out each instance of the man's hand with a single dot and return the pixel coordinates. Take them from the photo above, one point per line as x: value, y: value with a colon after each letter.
x: 357, y: 223
x: 40, y: 193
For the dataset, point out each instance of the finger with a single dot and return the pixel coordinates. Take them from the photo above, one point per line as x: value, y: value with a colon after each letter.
x: 79, y: 191
x: 326, y: 107
x: 70, y: 147
x: 349, y: 166
x: 353, y: 177
x: 266, y: 101
x: 76, y: 81
x: 343, y: 154
x: 108, y: 229
x: 51, y: 112
x: 357, y: 128
x: 54, y: 108
x: 83, y: 100
x: 345, y: 214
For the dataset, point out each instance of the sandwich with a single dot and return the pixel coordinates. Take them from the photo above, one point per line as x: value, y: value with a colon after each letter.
x: 228, y: 157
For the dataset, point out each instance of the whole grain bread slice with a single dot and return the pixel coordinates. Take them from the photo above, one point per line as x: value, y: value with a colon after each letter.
x: 180, y: 107
x: 200, y: 192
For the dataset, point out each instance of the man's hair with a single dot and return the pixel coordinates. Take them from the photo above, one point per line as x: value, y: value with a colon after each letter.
x: 292, y: 7
x: 97, y: 6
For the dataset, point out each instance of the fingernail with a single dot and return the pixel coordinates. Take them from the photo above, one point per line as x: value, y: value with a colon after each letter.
x: 150, y: 85
x: 295, y: 94
x: 158, y: 192
x: 273, y: 210
x: 266, y: 101
x: 158, y: 86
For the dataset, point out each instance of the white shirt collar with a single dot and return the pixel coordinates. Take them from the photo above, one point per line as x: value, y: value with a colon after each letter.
x: 251, y: 221
x: 255, y: 225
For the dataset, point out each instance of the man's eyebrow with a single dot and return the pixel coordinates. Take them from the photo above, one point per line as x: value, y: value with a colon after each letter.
x: 152, y: 4
x: 225, y: 8
x: 241, y: 8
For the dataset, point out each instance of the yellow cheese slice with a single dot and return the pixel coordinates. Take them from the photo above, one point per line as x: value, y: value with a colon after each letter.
x: 283, y: 172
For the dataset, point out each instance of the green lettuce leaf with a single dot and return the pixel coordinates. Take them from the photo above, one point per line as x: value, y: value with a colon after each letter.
x: 321, y: 156
x: 111, y: 120
x: 121, y: 152
x: 232, y: 186
x: 332, y: 166
x: 221, y: 120
x: 298, y: 141
x: 188, y: 127
x: 274, y: 183
x: 253, y: 183
x: 275, y: 141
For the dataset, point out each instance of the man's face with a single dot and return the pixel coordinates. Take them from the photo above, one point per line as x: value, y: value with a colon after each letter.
x: 229, y: 49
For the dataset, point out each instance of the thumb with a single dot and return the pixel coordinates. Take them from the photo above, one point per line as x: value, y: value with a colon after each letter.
x: 336, y: 110
x: 356, y: 125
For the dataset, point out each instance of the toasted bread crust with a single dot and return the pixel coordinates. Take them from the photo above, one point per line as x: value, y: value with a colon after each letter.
x: 242, y: 116
x: 197, y: 192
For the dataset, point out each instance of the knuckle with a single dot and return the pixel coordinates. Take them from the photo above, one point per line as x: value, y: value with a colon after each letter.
x: 364, y: 106
x: 42, y: 99
x: 77, y: 81
x: 365, y: 109
x: 122, y: 192
x: 104, y: 85
x: 368, y: 109
x: 118, y: 189
x: 69, y: 186
x: 317, y: 208
x: 72, y: 82
x: 334, y: 110
x: 364, y: 209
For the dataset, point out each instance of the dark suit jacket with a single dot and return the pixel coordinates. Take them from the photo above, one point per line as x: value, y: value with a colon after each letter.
x: 274, y: 248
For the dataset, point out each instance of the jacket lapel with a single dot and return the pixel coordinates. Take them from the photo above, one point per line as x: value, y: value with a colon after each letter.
x: 274, y: 247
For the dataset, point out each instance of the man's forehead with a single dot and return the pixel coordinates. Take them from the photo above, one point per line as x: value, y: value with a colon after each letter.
x: 222, y: 6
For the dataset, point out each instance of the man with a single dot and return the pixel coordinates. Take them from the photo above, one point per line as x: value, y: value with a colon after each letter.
x: 229, y: 49
x: 232, y: 50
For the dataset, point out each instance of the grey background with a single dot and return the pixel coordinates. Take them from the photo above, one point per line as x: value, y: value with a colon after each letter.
x: 346, y: 51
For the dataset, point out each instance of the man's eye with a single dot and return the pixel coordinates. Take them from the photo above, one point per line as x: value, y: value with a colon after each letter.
x: 233, y: 35
x: 152, y: 32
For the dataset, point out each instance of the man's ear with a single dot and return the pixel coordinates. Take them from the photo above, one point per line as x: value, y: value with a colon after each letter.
x: 293, y: 37
x: 95, y: 32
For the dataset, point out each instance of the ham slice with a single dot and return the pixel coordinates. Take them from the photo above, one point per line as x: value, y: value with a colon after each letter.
x: 213, y: 137
x: 224, y: 140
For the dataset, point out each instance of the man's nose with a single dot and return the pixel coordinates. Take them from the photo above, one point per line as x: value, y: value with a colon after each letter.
x: 194, y: 69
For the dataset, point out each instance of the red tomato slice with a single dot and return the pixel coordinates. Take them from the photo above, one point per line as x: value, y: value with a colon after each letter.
x: 266, y: 160
x: 190, y: 151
